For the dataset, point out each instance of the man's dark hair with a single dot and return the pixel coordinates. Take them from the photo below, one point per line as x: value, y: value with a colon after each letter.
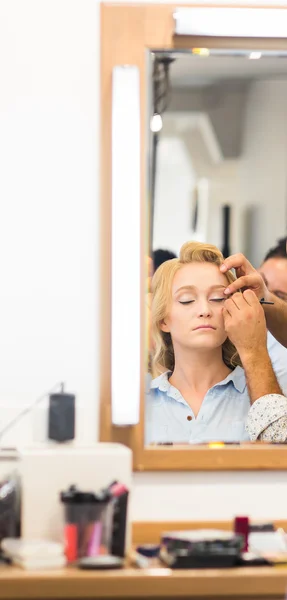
x: 160, y: 256
x: 278, y: 251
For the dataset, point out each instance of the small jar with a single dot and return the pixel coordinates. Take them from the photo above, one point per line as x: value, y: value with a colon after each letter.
x: 151, y: 552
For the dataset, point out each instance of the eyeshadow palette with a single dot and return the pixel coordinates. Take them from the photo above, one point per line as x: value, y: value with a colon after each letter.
x: 200, y: 549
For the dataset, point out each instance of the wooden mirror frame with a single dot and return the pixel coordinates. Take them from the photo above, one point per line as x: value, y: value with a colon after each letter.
x: 127, y: 32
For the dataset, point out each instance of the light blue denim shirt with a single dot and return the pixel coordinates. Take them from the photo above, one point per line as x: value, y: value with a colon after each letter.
x: 223, y: 412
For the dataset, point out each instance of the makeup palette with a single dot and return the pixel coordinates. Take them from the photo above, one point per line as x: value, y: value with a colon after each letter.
x: 203, y: 548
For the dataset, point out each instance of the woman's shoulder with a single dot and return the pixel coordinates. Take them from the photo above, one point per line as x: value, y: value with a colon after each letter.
x: 161, y: 382
x: 158, y: 388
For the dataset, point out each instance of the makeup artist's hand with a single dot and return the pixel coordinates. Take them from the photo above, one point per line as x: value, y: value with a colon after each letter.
x: 248, y: 277
x: 245, y: 324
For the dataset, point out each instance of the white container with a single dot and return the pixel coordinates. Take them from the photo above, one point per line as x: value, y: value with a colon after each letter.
x: 46, y: 471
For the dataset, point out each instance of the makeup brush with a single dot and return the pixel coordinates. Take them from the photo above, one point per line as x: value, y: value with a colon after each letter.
x: 262, y: 301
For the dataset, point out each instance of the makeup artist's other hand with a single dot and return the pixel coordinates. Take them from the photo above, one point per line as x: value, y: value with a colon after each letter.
x: 248, y: 277
x: 245, y: 324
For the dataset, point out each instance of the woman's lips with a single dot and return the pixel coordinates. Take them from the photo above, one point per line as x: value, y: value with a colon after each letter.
x: 204, y: 327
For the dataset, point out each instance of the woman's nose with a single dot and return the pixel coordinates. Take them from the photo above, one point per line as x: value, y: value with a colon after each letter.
x: 204, y: 310
x: 205, y: 314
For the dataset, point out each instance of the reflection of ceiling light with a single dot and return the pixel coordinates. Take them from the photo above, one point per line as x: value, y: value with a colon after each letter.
x: 201, y: 51
x: 255, y: 55
x: 156, y: 123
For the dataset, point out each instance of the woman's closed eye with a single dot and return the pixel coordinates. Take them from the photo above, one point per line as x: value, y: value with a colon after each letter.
x: 210, y: 300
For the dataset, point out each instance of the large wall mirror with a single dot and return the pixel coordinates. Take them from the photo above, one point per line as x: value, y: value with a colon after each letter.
x: 213, y: 170
x: 218, y: 148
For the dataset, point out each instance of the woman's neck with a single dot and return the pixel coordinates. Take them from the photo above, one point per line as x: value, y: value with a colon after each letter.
x: 196, y: 372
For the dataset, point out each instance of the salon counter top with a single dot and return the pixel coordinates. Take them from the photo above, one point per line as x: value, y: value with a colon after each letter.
x: 268, y: 583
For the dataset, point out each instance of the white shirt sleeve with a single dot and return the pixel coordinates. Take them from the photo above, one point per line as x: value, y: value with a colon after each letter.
x: 267, y: 419
x: 278, y: 356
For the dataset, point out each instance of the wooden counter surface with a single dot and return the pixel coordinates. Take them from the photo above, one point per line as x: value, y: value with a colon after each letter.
x: 268, y: 583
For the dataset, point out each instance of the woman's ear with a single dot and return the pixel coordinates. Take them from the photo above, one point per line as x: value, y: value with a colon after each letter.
x: 164, y: 327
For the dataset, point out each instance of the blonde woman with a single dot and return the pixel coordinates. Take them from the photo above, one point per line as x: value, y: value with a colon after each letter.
x: 199, y: 391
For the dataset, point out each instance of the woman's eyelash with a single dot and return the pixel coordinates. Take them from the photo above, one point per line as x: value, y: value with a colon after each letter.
x: 211, y: 300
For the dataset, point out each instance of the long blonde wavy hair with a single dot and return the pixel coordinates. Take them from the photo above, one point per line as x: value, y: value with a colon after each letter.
x: 163, y: 354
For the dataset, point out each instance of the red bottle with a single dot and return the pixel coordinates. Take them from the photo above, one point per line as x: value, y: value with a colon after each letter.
x: 241, y: 526
x: 71, y: 542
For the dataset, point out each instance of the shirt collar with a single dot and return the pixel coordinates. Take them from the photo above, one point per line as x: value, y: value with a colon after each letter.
x: 161, y: 382
x: 237, y: 377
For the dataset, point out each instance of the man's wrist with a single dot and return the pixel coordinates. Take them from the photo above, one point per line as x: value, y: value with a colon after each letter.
x: 260, y: 377
x: 251, y: 357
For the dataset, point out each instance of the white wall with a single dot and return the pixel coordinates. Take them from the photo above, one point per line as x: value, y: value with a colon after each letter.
x: 254, y: 184
x: 49, y: 208
x: 208, y: 496
x: 262, y: 174
x: 175, y: 181
x: 185, y: 156
x: 49, y: 124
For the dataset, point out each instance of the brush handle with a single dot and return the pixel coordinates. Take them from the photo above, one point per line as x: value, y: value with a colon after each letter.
x: 262, y: 301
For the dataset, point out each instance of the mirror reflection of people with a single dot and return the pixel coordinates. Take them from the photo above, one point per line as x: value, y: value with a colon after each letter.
x: 199, y: 392
x: 274, y: 270
x: 158, y: 258
x: 269, y: 404
x: 249, y: 278
x: 148, y: 298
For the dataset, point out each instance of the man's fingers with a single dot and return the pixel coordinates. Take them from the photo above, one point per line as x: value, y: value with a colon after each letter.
x: 230, y: 307
x: 242, y: 282
x: 238, y: 300
x: 225, y: 310
x: 226, y: 316
x: 250, y: 298
x: 234, y: 262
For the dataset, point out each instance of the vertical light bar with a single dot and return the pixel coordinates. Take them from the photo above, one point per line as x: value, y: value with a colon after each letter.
x: 126, y: 201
